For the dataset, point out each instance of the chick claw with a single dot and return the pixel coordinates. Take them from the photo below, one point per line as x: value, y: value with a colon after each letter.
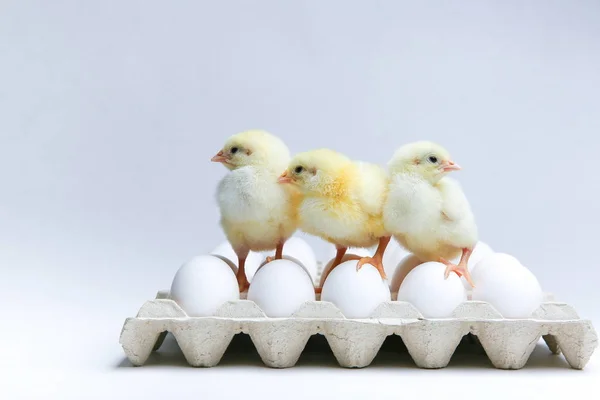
x: 272, y: 258
x: 278, y: 253
x: 374, y: 261
x: 460, y: 270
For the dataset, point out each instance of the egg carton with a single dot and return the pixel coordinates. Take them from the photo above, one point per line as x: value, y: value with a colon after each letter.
x: 355, y: 342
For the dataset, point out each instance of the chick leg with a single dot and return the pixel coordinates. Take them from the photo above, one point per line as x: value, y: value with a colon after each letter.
x: 278, y: 252
x: 377, y: 259
x: 339, y: 255
x: 460, y: 269
x: 241, y: 273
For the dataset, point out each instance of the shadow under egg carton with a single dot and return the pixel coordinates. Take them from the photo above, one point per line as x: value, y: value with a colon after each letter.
x: 431, y: 343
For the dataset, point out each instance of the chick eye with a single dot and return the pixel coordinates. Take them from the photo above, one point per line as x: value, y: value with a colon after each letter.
x: 433, y: 159
x: 234, y: 150
x: 298, y: 169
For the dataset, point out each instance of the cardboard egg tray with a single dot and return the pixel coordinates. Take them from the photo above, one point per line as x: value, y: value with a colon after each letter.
x: 355, y: 342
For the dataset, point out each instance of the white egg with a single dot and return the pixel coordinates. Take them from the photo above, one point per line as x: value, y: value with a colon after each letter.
x: 225, y: 252
x: 285, y: 257
x: 348, y: 256
x: 394, y: 253
x: 410, y: 261
x: 280, y: 287
x: 407, y: 264
x: 356, y: 293
x: 480, y: 251
x: 298, y: 250
x: 434, y: 296
x: 501, y: 280
x: 203, y: 284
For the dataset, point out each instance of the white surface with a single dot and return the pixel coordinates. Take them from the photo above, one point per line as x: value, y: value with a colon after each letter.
x: 501, y: 280
x: 110, y: 112
x: 203, y: 284
x: 434, y: 296
x: 101, y: 374
x: 281, y: 287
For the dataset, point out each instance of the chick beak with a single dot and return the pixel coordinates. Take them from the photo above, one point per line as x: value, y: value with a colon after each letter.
x: 284, y: 178
x: 450, y: 166
x: 219, y: 157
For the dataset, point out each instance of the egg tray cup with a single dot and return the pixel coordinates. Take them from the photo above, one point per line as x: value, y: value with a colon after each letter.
x: 431, y: 343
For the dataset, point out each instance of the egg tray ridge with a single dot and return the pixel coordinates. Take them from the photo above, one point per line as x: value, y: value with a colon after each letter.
x: 431, y: 343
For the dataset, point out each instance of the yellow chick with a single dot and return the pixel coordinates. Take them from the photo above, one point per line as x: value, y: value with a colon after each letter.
x: 342, y: 202
x: 426, y: 211
x: 257, y: 213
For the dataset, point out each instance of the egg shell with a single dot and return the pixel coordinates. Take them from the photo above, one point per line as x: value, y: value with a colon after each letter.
x: 298, y: 250
x: 356, y: 293
x: 225, y: 252
x: 434, y: 296
x: 285, y: 257
x: 203, y: 284
x: 410, y: 261
x: 407, y: 264
x: 393, y: 255
x: 501, y: 280
x: 280, y: 287
x: 346, y: 257
x: 480, y: 251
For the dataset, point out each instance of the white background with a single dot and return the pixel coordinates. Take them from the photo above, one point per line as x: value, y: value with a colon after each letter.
x: 111, y: 110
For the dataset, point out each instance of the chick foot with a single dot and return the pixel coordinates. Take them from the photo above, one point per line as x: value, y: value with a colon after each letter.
x: 374, y: 261
x: 278, y: 253
x: 243, y: 282
x: 377, y: 259
x: 461, y: 270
